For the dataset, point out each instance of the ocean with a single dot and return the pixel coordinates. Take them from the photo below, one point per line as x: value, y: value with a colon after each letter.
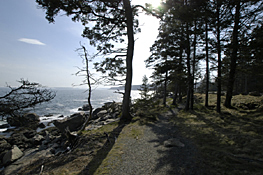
x: 68, y: 100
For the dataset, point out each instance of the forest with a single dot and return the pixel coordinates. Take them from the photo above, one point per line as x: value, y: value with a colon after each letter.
x: 225, y: 36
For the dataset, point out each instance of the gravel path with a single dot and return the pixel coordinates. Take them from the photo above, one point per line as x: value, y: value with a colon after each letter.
x: 148, y: 155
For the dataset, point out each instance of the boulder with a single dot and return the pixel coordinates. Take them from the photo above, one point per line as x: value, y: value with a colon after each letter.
x: 27, y: 120
x: 41, y: 125
x: 14, y: 121
x: 30, y: 134
x: 173, y: 142
x: 31, y: 118
x: 74, y: 122
x: 95, y: 112
x: 102, y: 113
x: 85, y: 107
x: 38, y: 139
x: 12, y: 155
x: 18, y: 139
x: 112, y: 107
x: 4, y: 145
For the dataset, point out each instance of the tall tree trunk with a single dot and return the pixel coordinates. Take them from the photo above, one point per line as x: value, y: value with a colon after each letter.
x: 175, y: 94
x: 218, y: 104
x: 207, y: 64
x: 231, y: 78
x: 193, y: 74
x: 126, y: 99
x: 165, y: 88
x: 180, y: 70
x: 188, y: 68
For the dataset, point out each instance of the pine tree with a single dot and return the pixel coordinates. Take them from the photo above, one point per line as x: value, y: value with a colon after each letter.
x: 144, y: 89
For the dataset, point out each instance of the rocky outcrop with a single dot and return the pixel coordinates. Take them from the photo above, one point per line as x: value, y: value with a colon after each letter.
x: 51, y: 141
x: 106, y: 114
x: 74, y: 122
x: 28, y: 120
x: 12, y: 155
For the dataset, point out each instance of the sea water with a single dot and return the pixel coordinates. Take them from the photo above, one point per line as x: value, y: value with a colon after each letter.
x: 69, y: 100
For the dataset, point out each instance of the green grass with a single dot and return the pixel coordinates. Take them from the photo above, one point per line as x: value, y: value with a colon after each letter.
x: 231, y: 142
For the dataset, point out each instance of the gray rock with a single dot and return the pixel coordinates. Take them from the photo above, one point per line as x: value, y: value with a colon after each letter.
x: 85, y: 107
x: 74, y: 122
x: 12, y: 155
x: 95, y: 112
x: 29, y: 134
x: 173, y: 142
x: 28, y: 120
x: 38, y: 139
x: 20, y: 140
x: 4, y: 145
x: 41, y: 125
x: 111, y: 120
x: 112, y: 107
x: 31, y: 117
x: 102, y: 113
x: 115, y: 115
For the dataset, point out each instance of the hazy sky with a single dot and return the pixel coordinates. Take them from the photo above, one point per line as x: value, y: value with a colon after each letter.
x: 33, y: 49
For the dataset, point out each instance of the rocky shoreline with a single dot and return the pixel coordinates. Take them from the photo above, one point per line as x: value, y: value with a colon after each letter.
x: 25, y: 144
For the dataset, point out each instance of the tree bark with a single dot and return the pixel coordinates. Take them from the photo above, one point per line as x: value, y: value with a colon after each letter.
x: 126, y: 99
x: 165, y: 84
x: 231, y: 78
x: 175, y: 94
x: 181, y: 65
x: 193, y: 74
x: 218, y: 104
x: 207, y: 64
x: 188, y: 68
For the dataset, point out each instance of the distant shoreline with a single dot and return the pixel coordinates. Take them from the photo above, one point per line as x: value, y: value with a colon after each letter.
x: 134, y: 87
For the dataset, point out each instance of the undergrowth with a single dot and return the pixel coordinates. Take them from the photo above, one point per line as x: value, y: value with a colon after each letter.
x: 230, y: 142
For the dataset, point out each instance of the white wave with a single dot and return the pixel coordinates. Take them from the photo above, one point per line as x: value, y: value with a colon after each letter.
x: 75, y: 110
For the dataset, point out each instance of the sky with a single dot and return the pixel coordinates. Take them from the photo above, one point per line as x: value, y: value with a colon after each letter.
x: 33, y: 49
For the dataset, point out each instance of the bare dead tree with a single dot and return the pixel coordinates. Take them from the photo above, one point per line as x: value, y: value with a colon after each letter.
x: 89, y: 80
x: 27, y: 95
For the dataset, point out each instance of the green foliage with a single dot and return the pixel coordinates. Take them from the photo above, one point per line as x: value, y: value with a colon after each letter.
x: 144, y: 89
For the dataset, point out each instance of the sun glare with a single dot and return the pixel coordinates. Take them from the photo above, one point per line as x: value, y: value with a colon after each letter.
x: 155, y: 3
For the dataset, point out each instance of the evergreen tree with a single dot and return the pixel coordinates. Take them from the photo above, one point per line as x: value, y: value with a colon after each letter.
x: 144, y: 89
x: 246, y: 14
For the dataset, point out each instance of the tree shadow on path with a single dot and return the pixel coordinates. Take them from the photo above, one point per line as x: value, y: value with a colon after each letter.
x: 102, y: 153
x: 173, y: 160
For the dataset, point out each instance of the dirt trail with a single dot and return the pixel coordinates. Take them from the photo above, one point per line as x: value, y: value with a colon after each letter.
x: 148, y: 155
